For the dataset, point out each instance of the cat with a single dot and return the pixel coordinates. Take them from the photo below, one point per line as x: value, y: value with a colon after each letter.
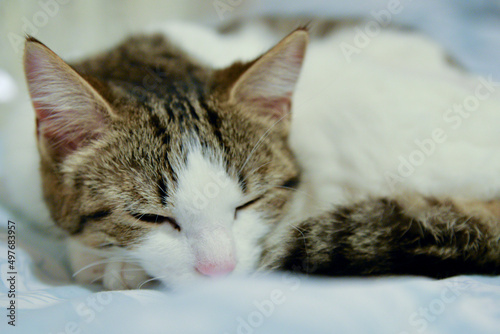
x: 158, y: 166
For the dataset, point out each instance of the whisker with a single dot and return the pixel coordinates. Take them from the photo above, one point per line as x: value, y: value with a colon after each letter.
x: 255, y: 169
x: 93, y: 264
x: 149, y: 280
x: 97, y: 279
x: 123, y: 270
x: 261, y: 139
x: 105, y: 261
x: 161, y: 188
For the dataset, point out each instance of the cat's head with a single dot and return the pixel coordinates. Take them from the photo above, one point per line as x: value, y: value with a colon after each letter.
x: 175, y: 166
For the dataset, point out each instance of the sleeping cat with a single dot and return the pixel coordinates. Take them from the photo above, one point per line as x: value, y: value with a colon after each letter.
x: 158, y: 166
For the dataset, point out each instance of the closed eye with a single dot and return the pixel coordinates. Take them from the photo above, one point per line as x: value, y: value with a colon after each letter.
x: 246, y: 205
x: 156, y: 219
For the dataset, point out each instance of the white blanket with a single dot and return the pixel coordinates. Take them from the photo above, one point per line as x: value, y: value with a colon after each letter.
x: 47, y: 302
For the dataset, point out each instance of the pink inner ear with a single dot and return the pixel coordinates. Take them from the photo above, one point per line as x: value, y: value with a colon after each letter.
x: 275, y: 107
x: 61, y: 132
x: 69, y: 111
x: 269, y: 82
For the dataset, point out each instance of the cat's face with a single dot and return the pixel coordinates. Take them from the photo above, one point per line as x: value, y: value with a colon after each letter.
x: 184, y: 204
x: 184, y: 180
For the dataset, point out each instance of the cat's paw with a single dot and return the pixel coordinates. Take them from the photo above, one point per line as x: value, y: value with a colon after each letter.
x: 87, y: 265
x: 91, y: 266
x: 123, y: 275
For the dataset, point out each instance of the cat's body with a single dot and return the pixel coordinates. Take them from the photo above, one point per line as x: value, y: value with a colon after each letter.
x: 362, y: 122
x: 403, y: 235
x: 205, y: 152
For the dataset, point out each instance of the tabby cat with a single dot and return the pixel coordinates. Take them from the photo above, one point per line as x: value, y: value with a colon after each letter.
x: 158, y: 166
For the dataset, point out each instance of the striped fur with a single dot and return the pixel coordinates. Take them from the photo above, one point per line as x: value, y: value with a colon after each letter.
x: 410, y: 236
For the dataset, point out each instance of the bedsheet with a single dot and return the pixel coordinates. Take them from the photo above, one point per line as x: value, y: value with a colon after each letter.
x: 48, y: 302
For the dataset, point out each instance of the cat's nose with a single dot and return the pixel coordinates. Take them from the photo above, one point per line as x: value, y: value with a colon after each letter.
x: 216, y: 269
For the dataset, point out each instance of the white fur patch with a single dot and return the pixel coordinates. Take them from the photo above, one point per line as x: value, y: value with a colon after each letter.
x: 206, y: 195
x: 204, y: 204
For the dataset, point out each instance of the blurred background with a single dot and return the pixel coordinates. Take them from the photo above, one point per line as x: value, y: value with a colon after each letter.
x: 470, y: 30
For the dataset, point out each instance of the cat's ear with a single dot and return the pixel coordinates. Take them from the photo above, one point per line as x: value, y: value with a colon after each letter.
x: 269, y: 82
x: 69, y: 111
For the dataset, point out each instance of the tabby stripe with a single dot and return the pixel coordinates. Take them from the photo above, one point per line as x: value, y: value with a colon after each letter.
x: 179, y: 107
x: 98, y: 215
x: 297, y: 260
x: 196, y: 129
x: 166, y: 139
x: 162, y: 191
x: 171, y: 116
x: 156, y: 123
x: 170, y: 169
x: 192, y: 111
x: 214, y: 120
x: 242, y: 182
x: 292, y: 182
x: 447, y: 243
x: 180, y: 122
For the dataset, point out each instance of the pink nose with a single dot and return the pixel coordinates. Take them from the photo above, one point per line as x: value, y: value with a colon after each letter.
x: 216, y: 269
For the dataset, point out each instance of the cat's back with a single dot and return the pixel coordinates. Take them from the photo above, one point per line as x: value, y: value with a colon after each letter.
x: 375, y: 112
x: 391, y: 112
